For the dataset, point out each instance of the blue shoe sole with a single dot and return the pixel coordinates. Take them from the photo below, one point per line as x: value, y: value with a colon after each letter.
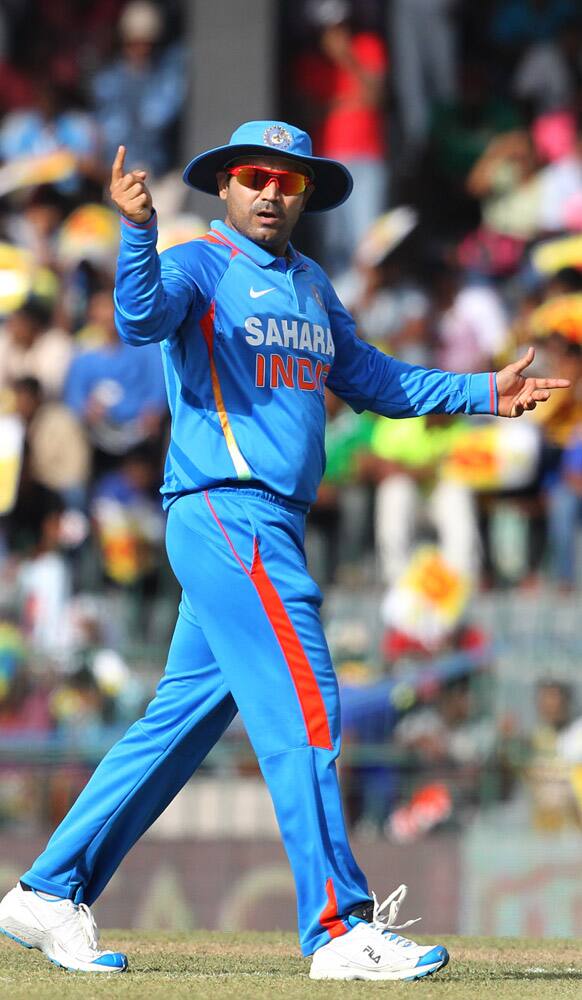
x: 53, y: 961
x: 429, y: 972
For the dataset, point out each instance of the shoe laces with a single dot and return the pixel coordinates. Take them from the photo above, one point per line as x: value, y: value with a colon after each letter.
x: 385, y: 915
x: 88, y: 926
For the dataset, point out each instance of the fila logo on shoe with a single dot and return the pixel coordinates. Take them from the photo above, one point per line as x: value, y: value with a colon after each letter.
x: 373, y: 956
x: 262, y: 291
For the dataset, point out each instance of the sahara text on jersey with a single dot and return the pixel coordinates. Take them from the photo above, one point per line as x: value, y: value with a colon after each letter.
x: 276, y: 370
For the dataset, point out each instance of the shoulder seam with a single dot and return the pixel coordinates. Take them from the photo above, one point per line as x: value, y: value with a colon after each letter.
x: 210, y: 246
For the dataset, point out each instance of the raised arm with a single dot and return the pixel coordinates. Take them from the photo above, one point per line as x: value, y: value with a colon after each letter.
x: 151, y: 297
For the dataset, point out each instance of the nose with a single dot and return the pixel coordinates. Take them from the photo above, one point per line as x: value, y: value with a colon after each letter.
x: 271, y: 189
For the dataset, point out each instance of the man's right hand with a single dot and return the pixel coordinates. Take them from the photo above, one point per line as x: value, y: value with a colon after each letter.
x: 129, y: 192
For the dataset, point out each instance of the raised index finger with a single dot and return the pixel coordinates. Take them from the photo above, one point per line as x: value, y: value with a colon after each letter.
x: 552, y: 383
x: 117, y: 168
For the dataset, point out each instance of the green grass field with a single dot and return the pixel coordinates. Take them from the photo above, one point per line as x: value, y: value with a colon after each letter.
x: 218, y: 966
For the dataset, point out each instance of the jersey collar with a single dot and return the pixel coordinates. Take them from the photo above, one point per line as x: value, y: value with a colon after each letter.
x: 261, y: 257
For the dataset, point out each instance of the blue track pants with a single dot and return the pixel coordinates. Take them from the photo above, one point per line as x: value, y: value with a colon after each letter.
x: 248, y: 638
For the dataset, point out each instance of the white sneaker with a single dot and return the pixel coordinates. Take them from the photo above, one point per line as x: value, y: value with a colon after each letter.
x: 373, y: 951
x: 64, y: 931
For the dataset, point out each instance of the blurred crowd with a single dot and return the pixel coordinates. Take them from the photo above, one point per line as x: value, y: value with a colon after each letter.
x: 460, y: 246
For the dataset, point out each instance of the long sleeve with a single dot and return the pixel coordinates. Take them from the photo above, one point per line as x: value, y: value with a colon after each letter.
x: 152, y: 294
x: 367, y: 379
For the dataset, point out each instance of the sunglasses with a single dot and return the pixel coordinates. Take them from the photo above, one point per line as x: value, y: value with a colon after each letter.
x: 257, y: 178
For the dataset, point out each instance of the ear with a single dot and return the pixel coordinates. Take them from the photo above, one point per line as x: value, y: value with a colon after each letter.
x: 222, y: 179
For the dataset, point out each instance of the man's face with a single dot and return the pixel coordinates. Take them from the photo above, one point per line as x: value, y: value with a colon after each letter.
x: 22, y: 328
x: 266, y: 217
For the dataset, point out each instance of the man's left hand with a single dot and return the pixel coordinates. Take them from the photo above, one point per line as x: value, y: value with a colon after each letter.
x: 516, y: 393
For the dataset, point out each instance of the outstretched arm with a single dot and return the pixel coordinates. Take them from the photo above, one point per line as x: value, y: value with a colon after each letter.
x: 370, y: 380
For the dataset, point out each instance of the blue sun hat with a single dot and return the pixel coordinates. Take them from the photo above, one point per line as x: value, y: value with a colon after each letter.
x: 333, y: 182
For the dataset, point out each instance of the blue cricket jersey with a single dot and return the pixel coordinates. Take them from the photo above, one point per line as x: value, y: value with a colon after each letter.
x: 248, y: 343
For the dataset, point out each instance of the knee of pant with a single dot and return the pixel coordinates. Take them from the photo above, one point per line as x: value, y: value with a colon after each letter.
x: 163, y: 722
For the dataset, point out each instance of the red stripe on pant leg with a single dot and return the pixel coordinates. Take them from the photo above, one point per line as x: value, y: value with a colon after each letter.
x: 492, y: 406
x: 310, y: 698
x: 328, y: 917
x: 306, y: 686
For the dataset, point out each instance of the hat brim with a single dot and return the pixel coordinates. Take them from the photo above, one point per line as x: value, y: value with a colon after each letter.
x: 333, y: 182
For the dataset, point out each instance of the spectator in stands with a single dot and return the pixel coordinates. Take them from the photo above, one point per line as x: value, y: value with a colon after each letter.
x: 34, y: 225
x: 528, y: 183
x: 425, y: 70
x: 138, y: 98
x: 560, y: 148
x: 560, y: 422
x: 24, y: 701
x: 382, y: 290
x: 565, y: 514
x: 548, y: 771
x: 404, y: 461
x: 342, y: 85
x: 52, y: 124
x: 44, y: 579
x: 130, y: 529
x: 116, y: 390
x: 57, y: 453
x: 505, y: 180
x: 462, y: 129
x: 338, y: 525
x: 453, y: 740
x: 469, y: 324
x: 80, y: 709
x: 547, y: 75
x: 31, y: 347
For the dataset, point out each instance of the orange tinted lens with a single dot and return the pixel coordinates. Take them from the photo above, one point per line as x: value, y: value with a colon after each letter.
x: 247, y: 176
x: 292, y: 183
x: 257, y: 178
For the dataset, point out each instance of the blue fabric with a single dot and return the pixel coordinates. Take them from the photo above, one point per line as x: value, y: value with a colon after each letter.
x: 224, y: 654
x: 135, y: 377
x: 298, y: 319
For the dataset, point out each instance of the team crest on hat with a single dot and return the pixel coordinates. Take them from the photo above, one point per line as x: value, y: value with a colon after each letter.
x: 277, y: 136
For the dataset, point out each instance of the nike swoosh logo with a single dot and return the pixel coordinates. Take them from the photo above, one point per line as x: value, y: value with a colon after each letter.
x: 262, y: 291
